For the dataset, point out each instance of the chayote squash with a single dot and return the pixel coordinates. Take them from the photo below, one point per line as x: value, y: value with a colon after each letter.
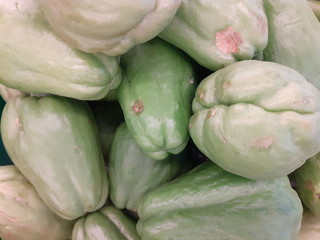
x: 109, y: 26
x: 23, y: 215
x: 109, y: 223
x: 310, y: 227
x: 33, y: 59
x: 108, y: 116
x: 4, y: 158
x: 155, y: 96
x: 307, y: 181
x: 315, y: 6
x: 217, y: 33
x: 7, y: 93
x: 53, y: 141
x: 294, y: 37
x: 132, y: 174
x: 256, y: 119
x: 210, y: 203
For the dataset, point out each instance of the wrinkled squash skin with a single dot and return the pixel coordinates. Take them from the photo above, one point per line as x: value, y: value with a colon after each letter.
x: 257, y: 119
x: 33, y: 59
x: 155, y: 96
x: 218, y: 33
x: 132, y: 174
x: 109, y: 223
x: 294, y: 36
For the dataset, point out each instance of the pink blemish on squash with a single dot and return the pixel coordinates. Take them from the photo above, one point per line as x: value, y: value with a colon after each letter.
x: 226, y: 84
x: 261, y: 23
x: 304, y: 101
x: 200, y: 94
x: 264, y: 142
x: 223, y: 138
x: 309, y: 185
x: 212, y: 112
x: 228, y: 40
x: 318, y: 195
x: 137, y: 106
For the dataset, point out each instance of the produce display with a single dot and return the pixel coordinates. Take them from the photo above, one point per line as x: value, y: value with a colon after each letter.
x: 160, y: 120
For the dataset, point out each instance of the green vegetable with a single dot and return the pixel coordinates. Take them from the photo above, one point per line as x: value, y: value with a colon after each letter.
x: 54, y: 143
x: 307, y: 180
x: 109, y: 26
x: 256, y: 119
x: 217, y: 33
x: 132, y: 174
x: 210, y: 203
x: 294, y: 37
x: 34, y: 59
x: 155, y: 97
x: 109, y: 223
x: 23, y: 215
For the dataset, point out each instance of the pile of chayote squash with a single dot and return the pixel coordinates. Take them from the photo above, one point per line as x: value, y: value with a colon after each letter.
x: 160, y: 119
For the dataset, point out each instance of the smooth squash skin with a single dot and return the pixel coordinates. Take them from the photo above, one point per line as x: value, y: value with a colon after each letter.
x: 109, y: 26
x: 155, y: 96
x: 218, y: 33
x: 33, y: 59
x: 109, y: 223
x: 132, y: 174
x: 210, y: 203
x: 257, y: 119
x: 54, y: 143
x: 307, y: 181
x: 23, y: 214
x: 294, y: 36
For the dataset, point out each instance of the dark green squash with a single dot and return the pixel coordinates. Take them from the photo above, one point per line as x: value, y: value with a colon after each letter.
x: 209, y: 203
x: 132, y: 173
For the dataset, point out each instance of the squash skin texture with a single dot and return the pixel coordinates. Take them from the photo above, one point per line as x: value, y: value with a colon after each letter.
x: 109, y: 223
x: 108, y: 26
x: 7, y: 93
x: 231, y: 30
x: 33, y: 59
x: 310, y: 227
x: 222, y: 206
x: 155, y: 96
x: 256, y: 119
x: 294, y: 36
x: 23, y: 215
x: 315, y: 6
x: 307, y: 181
x: 132, y: 174
x: 54, y: 143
